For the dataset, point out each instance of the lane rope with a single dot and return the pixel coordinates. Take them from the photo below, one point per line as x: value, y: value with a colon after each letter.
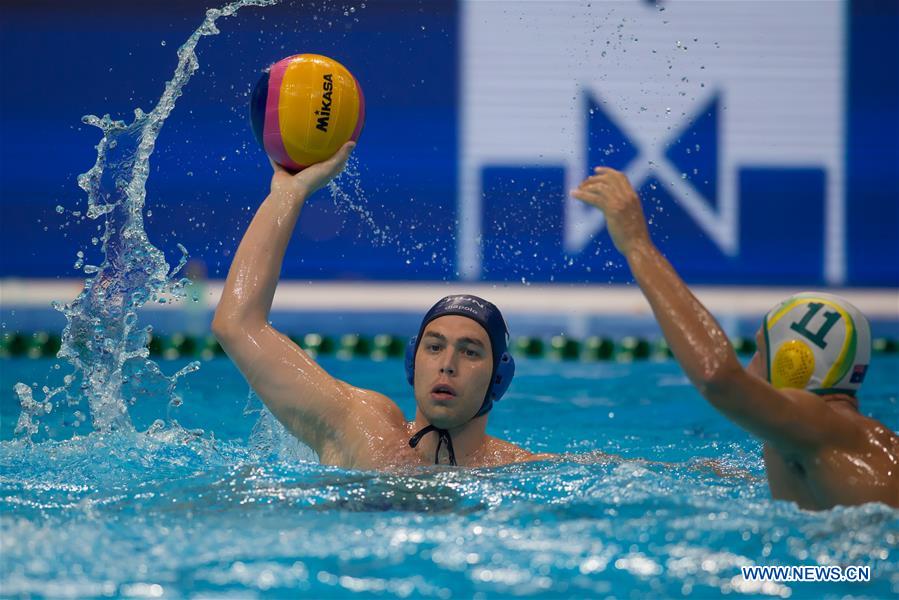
x: 42, y: 344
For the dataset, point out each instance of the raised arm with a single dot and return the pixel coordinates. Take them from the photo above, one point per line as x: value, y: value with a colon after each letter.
x: 306, y: 399
x: 790, y: 418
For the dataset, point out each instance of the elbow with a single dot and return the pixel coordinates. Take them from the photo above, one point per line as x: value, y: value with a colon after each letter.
x: 717, y: 381
x: 229, y: 329
x: 223, y: 328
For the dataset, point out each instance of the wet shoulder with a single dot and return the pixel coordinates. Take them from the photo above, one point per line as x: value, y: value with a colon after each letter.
x: 874, y: 432
x: 877, y: 446
x: 375, y: 405
x: 501, y: 452
x: 881, y: 435
x: 373, y: 432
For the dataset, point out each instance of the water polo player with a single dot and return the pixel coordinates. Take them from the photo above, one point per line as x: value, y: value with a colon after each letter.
x: 458, y: 363
x: 798, y: 393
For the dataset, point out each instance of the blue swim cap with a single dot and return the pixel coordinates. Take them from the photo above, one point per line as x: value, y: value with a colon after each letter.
x: 487, y: 315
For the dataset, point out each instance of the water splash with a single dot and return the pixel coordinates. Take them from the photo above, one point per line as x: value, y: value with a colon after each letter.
x: 270, y: 441
x: 349, y: 199
x: 103, y: 340
x: 31, y: 409
x: 348, y: 202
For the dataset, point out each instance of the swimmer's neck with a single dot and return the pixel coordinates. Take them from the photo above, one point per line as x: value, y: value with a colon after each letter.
x: 469, y: 440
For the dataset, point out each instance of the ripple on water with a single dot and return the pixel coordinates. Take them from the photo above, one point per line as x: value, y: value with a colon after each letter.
x: 205, y: 515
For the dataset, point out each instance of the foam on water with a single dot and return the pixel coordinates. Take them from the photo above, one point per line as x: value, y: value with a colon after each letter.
x: 242, y: 512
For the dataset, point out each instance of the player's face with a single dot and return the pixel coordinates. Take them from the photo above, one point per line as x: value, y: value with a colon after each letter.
x: 453, y: 366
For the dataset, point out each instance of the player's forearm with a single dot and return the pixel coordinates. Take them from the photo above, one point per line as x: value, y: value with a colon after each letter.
x: 253, y: 277
x: 695, y: 338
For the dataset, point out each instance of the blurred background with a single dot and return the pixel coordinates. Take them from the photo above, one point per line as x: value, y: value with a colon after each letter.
x: 762, y: 137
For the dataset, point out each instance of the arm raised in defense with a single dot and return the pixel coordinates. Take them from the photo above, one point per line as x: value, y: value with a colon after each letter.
x: 790, y: 419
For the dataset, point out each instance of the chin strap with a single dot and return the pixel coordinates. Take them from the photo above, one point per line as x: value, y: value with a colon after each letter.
x: 444, y: 437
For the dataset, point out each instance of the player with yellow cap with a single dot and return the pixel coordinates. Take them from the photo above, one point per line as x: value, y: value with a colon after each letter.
x: 798, y: 392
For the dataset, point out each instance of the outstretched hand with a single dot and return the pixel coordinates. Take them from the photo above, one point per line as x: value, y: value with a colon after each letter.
x: 611, y: 192
x: 312, y: 178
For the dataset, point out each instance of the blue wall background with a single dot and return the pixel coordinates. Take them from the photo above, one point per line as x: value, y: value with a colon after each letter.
x: 62, y: 60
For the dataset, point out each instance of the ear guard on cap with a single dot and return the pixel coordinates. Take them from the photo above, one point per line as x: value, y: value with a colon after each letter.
x: 411, y: 347
x: 503, y: 371
x: 792, y: 365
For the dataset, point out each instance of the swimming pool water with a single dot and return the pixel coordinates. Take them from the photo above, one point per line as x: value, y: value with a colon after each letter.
x: 237, y: 510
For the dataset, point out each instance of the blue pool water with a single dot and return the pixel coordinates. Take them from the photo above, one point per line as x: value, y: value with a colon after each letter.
x: 207, y: 497
x: 238, y: 510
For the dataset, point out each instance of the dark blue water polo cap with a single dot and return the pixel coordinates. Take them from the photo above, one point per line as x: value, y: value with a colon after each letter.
x: 487, y: 315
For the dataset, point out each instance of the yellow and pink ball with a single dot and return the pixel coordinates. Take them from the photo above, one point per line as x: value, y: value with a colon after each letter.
x: 305, y: 108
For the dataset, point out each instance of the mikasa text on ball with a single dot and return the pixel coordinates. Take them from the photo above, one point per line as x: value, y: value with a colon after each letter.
x: 305, y: 108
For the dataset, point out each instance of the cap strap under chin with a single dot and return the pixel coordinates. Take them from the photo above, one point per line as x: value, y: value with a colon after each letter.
x: 444, y: 437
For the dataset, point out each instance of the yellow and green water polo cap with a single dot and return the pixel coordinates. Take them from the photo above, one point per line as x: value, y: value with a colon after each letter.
x: 818, y: 342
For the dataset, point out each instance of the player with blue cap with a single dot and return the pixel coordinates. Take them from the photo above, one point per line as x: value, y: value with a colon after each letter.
x: 458, y: 364
x: 490, y: 319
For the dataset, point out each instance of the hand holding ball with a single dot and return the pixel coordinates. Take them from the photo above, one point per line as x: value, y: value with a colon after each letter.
x: 305, y: 108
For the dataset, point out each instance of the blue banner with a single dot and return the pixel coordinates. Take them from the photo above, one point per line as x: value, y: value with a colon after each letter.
x: 770, y: 163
